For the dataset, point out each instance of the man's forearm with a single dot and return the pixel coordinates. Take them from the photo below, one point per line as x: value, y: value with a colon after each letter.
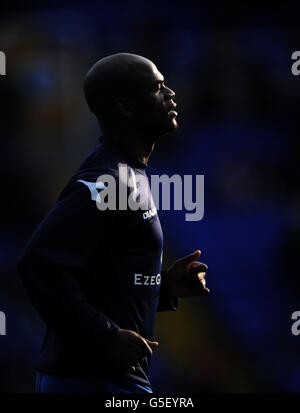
x: 166, y: 301
x: 59, y: 301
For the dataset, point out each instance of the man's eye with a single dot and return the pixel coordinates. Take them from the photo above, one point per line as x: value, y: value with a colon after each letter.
x: 159, y: 86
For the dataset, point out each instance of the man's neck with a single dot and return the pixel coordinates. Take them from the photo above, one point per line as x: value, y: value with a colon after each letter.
x: 133, y: 144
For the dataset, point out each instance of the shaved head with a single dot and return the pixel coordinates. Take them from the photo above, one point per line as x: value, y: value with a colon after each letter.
x: 114, y: 76
x: 126, y: 91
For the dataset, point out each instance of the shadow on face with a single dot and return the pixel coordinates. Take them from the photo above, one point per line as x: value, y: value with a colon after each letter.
x: 128, y: 90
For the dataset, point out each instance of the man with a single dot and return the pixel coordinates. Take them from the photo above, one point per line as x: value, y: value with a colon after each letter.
x: 94, y: 275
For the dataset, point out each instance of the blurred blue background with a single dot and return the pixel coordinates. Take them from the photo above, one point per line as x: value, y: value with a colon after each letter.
x: 238, y: 113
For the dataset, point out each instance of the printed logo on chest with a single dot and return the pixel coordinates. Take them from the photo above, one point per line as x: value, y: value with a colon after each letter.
x: 141, y: 279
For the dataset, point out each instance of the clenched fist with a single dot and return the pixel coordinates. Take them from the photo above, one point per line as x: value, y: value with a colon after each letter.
x: 128, y: 348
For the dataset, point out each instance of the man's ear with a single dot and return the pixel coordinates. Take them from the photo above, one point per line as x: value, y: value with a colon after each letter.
x: 124, y: 107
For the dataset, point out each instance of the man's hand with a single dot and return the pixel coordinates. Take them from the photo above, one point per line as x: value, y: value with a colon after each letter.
x: 186, y: 277
x: 129, y: 348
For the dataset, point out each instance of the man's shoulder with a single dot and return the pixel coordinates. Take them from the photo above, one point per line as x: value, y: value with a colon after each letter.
x: 98, y: 161
x: 97, y: 165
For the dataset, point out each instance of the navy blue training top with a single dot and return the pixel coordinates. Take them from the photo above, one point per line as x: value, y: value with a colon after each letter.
x: 90, y: 272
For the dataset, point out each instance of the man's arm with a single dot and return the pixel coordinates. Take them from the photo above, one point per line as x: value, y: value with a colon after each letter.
x: 166, y: 301
x: 184, y: 278
x: 56, y: 256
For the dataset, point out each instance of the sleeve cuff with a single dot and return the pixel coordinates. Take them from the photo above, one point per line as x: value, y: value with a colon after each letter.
x: 166, y: 302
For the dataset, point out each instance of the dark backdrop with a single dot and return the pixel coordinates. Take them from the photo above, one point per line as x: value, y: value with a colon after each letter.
x: 238, y: 103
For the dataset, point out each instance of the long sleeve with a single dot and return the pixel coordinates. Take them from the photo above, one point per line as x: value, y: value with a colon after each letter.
x: 166, y: 302
x: 54, y: 261
x: 90, y: 272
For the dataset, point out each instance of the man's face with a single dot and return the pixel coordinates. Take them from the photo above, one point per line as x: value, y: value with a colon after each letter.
x: 153, y: 103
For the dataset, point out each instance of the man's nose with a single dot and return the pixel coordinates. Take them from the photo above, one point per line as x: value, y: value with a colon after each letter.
x: 169, y: 93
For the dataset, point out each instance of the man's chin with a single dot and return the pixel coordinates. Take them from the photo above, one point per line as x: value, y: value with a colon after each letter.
x: 173, y: 126
x: 169, y: 129
x: 174, y: 122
